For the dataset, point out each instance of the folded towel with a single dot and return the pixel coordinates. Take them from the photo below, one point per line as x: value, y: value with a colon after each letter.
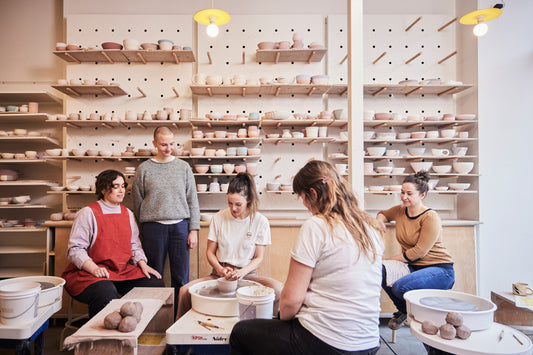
x: 395, y: 270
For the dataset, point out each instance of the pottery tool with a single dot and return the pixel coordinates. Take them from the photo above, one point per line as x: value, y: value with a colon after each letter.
x: 501, y: 336
x: 208, y: 325
x: 518, y: 340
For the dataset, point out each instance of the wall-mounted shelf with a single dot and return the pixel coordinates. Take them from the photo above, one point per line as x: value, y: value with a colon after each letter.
x: 20, y: 272
x: 22, y: 117
x: 421, y: 140
x: 28, y: 183
x: 133, y: 56
x: 412, y: 124
x: 270, y: 89
x: 449, y: 192
x: 23, y: 205
x: 415, y: 158
x: 214, y: 174
x: 407, y: 90
x: 450, y: 175
x: 305, y: 140
x: 21, y: 139
x: 79, y: 90
x: 199, y: 122
x: 21, y: 250
x: 68, y: 192
x: 227, y: 157
x: 307, y: 123
x: 22, y: 97
x: 290, y: 55
x: 22, y: 229
x: 18, y: 161
x: 226, y: 140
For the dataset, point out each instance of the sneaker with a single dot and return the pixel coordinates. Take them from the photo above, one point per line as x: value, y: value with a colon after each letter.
x: 397, y: 321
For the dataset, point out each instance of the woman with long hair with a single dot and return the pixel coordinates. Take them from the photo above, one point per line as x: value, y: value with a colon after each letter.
x: 330, y: 301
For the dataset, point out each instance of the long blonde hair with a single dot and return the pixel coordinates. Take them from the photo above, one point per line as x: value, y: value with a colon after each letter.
x: 335, y: 201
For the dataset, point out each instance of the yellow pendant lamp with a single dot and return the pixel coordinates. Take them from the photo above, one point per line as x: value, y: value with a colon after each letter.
x: 212, y: 18
x: 479, y: 18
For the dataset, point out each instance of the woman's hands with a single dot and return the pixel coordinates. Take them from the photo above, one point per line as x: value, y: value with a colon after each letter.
x: 147, y: 270
x: 382, y: 220
x: 97, y: 271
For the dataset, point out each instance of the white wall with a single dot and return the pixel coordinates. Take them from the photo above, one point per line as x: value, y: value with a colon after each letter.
x: 505, y: 61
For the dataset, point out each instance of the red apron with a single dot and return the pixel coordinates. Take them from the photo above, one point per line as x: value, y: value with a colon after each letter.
x: 112, y: 250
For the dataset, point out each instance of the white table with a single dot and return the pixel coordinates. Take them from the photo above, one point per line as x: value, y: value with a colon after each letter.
x: 484, y: 342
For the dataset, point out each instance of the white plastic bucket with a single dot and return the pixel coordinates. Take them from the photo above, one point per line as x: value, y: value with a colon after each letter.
x: 19, y: 302
x: 255, y: 302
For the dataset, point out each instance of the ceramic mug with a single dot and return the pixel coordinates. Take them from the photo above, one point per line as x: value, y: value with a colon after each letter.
x: 521, y: 289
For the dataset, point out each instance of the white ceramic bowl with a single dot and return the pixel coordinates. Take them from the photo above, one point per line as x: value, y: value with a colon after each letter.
x: 463, y: 167
x: 384, y: 169
x: 458, y: 186
x: 441, y: 188
x: 273, y: 186
x: 78, y: 152
x: 398, y: 170
x: 57, y: 188
x: 216, y: 168
x: 447, y: 133
x: 442, y: 169
x: 368, y: 134
x: 201, y: 168
x: 105, y: 153
x: 376, y: 151
x: 197, y: 151
x: 73, y: 187
x: 226, y: 286
x: 53, y: 152
x: 415, y: 151
x: 385, y: 135
x: 92, y: 152
x: 377, y: 188
x: 432, y: 183
x: 421, y: 165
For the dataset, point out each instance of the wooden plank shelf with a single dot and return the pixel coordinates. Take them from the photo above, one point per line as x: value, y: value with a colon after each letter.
x: 20, y: 139
x: 211, y: 90
x: 21, y: 250
x: 22, y: 229
x: 289, y: 122
x: 21, y: 206
x: 84, y: 123
x: 225, y: 140
x: 448, y: 192
x: 270, y: 89
x: 79, y: 90
x: 290, y: 55
x: 199, y: 122
x: 226, y: 157
x: 28, y: 183
x: 20, y: 272
x: 13, y: 98
x: 19, y: 117
x: 305, y: 140
x: 132, y: 56
x: 407, y: 90
x: 411, y: 124
x: 420, y: 140
x: 18, y: 161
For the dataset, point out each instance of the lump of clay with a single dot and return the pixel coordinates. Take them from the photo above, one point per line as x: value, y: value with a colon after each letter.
x: 139, y: 311
x: 454, y: 319
x: 128, y: 324
x: 447, y: 331
x: 429, y: 327
x: 112, y: 320
x: 128, y: 309
x: 463, y: 332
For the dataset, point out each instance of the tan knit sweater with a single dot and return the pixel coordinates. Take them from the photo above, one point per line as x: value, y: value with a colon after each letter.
x: 419, y: 236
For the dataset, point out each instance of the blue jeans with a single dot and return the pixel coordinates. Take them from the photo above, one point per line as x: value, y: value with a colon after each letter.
x: 274, y: 336
x: 158, y: 240
x: 439, y: 277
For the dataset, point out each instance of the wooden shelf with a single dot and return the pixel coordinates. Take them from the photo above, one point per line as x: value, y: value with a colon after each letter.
x: 21, y: 97
x: 270, y: 89
x: 304, y: 140
x: 211, y: 193
x: 132, y: 56
x: 20, y: 272
x: 449, y: 192
x: 18, y: 117
x: 228, y: 157
x: 154, y: 123
x: 22, y: 206
x: 279, y: 192
x: 72, y: 157
x: 28, y: 183
x: 85, y: 123
x: 289, y: 122
x: 214, y: 174
x: 421, y: 140
x: 22, y: 229
x: 21, y: 139
x: 79, y: 90
x: 225, y: 140
x: 407, y: 90
x: 412, y: 124
x: 68, y: 192
x: 21, y: 250
x: 198, y: 122
x: 290, y: 55
x: 18, y: 161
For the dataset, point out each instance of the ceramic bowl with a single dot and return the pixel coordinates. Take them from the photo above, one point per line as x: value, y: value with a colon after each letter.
x: 386, y: 135
x: 131, y: 44
x: 197, y: 151
x: 385, y: 116
x: 73, y: 187
x: 376, y: 188
x: 220, y: 134
x: 394, y: 187
x: 9, y: 155
x: 416, y: 151
x: 105, y: 153
x: 384, y: 169
x: 20, y: 132
x: 397, y: 170
x: 421, y: 165
x: 432, y: 183
x: 78, y: 152
x: 442, y: 169
x: 241, y: 168
x: 368, y: 134
x: 149, y: 46
x: 201, y: 187
x: 447, y: 133
x: 251, y: 168
x: 57, y: 216
x: 111, y: 45
x: 418, y: 135
x: 226, y: 286
x: 303, y: 79
x: 72, y: 47
x: 21, y: 199
x: 376, y: 151
x: 273, y: 186
x: 210, y: 152
x: 57, y: 188
x: 216, y: 168
x: 404, y: 135
x: 254, y: 151
x: 463, y: 167
x: 441, y: 188
x: 320, y: 79
x: 458, y: 186
x: 53, y: 152
x: 228, y: 168
x: 265, y: 45
x: 201, y: 168
x: 85, y: 187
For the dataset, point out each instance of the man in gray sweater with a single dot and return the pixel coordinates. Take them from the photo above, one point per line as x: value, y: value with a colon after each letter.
x: 166, y: 205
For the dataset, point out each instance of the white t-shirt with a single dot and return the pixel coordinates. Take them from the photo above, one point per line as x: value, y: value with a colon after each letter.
x: 341, y: 306
x: 237, y: 238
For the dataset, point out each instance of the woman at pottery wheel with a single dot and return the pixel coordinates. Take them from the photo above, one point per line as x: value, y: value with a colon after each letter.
x: 104, y: 250
x: 238, y: 236
x: 424, y: 261
x: 330, y: 301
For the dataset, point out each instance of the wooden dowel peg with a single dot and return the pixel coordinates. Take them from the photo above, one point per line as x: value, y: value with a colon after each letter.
x: 209, y: 142
x: 414, y: 23
x: 277, y: 176
x: 344, y: 92
x: 209, y: 57
x: 447, y: 24
x: 142, y: 58
x: 413, y: 91
x: 141, y: 125
x: 243, y: 57
x: 107, y: 125
x: 379, y: 91
x: 278, y: 125
x: 72, y: 125
x: 449, y: 91
x: 278, y: 142
x: 447, y: 57
x: 311, y: 91
x: 277, y: 91
x: 312, y: 142
x: 344, y: 59
x: 277, y: 57
x: 209, y: 92
x: 243, y: 92
x: 175, y: 91
x: 108, y: 92
x: 107, y: 57
x: 141, y: 91
x: 73, y: 92
x: 175, y: 57
x: 277, y: 159
x: 415, y: 125
x: 413, y: 58
x: 71, y: 57
x: 313, y: 53
x: 378, y: 58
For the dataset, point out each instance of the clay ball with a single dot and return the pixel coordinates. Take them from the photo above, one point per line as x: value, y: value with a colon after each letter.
x: 447, y: 331
x: 128, y: 309
x: 139, y: 311
x: 463, y: 332
x: 112, y: 320
x: 429, y: 327
x: 128, y: 324
x: 454, y: 319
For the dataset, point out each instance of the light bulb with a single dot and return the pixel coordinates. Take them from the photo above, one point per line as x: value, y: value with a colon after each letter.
x: 480, y: 29
x: 212, y: 30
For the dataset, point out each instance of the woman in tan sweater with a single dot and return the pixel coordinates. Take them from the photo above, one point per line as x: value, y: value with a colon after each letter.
x: 419, y: 233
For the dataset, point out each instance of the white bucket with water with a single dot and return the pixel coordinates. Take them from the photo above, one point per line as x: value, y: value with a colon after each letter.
x: 19, y: 302
x: 255, y: 302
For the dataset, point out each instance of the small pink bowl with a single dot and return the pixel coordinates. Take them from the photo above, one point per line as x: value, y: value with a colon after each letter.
x: 73, y: 47
x: 418, y: 134
x: 240, y: 168
x: 383, y: 116
x: 265, y: 45
x: 150, y: 46
x: 110, y: 45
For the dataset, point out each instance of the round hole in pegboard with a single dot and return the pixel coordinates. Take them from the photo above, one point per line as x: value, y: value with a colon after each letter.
x: 438, y: 111
x: 422, y: 46
x: 438, y: 45
x: 161, y: 63
x: 390, y: 62
x: 227, y: 30
x: 373, y: 30
x: 129, y: 29
x: 112, y: 30
x: 227, y: 47
x: 390, y: 95
x: 79, y: 144
x: 227, y: 63
x: 406, y: 46
x: 341, y: 79
x: 275, y: 30
x: 390, y: 79
x: 243, y: 47
x: 421, y: 111
x: 292, y: 160
x: 422, y: 30
x: 162, y: 79
x: 227, y: 95
x: 211, y: 47
x: 308, y: 30
x: 95, y: 62
x: 373, y: 46
x: 292, y: 95
x: 96, y: 30
x: 162, y: 95
x: 421, y: 62
x: 145, y: 79
x: 243, y: 30
x: 129, y: 79
x: 340, y: 29
x: 259, y: 30
x: 129, y: 128
x: 129, y: 95
x: 373, y: 79
x: 79, y: 29
x: 260, y: 96
x: 162, y: 30
x: 96, y: 144
x: 422, y: 95
x: 145, y: 30
x: 390, y: 29
x: 292, y: 62
x: 341, y: 46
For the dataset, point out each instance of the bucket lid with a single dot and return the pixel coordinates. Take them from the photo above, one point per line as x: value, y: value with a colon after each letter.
x: 255, y: 291
x: 18, y: 287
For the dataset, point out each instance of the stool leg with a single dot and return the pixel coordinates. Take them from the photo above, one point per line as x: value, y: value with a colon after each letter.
x: 393, y: 340
x: 38, y: 344
x: 23, y: 347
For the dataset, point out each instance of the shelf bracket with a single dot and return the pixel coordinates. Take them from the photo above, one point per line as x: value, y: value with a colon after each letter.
x: 277, y: 159
x: 141, y: 125
x: 449, y: 142
x: 277, y: 91
x: 278, y: 142
x: 175, y: 58
x: 107, y: 92
x: 313, y: 53
x: 277, y: 57
x: 379, y: 91
x: 378, y: 58
x: 414, y: 125
x: 447, y: 24
x: 447, y: 57
x: 142, y: 58
x: 344, y: 92
x: 243, y: 57
x: 209, y: 92
x: 449, y: 91
x: 312, y: 142
x: 415, y: 142
x: 107, y: 57
x: 71, y: 57
x: 311, y: 91
x: 106, y: 125
x: 209, y: 57
x: 243, y: 92
x: 141, y: 91
x: 277, y: 176
x: 175, y: 91
x: 73, y: 92
x: 344, y: 59
x: 414, y: 23
x: 209, y: 142
x: 413, y: 58
x: 72, y: 125
x: 413, y: 91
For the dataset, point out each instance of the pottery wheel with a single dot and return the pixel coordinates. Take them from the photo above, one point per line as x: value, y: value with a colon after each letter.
x: 449, y: 304
x: 213, y: 291
x: 46, y: 285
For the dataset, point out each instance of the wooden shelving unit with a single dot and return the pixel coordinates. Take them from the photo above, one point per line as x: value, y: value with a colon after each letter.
x: 23, y: 97
x: 79, y: 90
x: 290, y: 55
x: 407, y: 90
x: 270, y: 89
x: 374, y: 124
x: 112, y: 56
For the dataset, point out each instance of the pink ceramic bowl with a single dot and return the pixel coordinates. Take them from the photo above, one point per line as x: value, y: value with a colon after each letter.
x: 111, y: 45
x: 383, y: 116
x: 265, y: 45
x: 418, y: 134
x: 201, y: 168
x: 73, y: 47
x: 151, y: 46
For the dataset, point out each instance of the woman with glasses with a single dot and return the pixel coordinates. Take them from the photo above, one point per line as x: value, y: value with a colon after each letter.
x: 104, y: 250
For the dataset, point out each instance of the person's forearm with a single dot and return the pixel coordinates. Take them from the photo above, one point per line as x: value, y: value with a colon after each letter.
x: 288, y: 308
x: 253, y: 265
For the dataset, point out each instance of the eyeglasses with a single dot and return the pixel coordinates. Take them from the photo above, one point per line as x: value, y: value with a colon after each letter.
x: 118, y: 186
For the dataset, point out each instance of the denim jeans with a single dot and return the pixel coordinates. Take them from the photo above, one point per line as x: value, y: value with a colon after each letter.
x: 439, y: 277
x: 274, y: 336
x: 158, y: 240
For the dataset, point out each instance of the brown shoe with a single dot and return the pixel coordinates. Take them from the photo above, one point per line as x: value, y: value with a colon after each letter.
x: 397, y: 321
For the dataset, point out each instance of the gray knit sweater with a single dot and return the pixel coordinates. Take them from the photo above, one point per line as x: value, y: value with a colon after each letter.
x: 165, y: 191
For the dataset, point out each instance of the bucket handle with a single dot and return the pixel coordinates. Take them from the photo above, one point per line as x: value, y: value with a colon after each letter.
x: 31, y: 305
x: 250, y: 305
